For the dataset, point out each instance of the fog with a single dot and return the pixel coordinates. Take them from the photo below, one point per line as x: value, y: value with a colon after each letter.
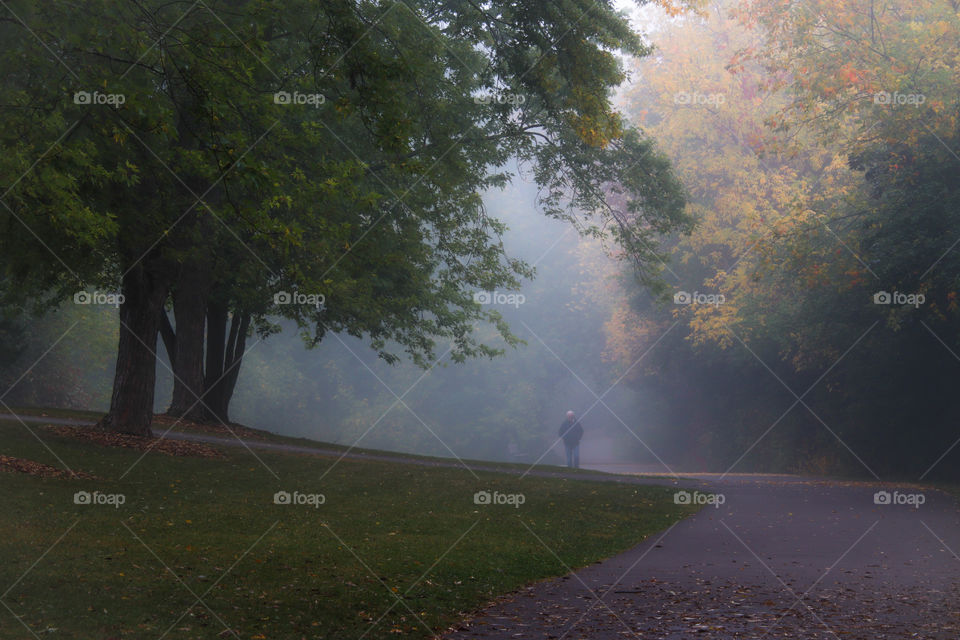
x: 796, y: 313
x: 505, y: 409
x: 480, y: 320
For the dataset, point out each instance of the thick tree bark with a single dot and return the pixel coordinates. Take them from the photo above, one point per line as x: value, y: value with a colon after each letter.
x: 189, y: 309
x: 224, y: 358
x: 191, y: 289
x: 131, y: 405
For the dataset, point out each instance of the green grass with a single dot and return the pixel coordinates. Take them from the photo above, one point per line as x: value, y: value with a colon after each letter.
x: 387, y: 530
x: 269, y: 436
x: 76, y: 414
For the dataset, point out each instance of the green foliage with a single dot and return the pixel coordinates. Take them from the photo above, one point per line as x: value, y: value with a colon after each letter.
x: 362, y: 188
x: 64, y: 359
x: 814, y: 195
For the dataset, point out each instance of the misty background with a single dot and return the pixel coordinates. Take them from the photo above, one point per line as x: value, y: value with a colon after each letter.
x: 793, y: 368
x: 508, y: 408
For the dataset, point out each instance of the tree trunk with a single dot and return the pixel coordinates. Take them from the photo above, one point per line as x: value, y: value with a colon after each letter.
x: 189, y: 310
x: 224, y: 358
x: 131, y: 405
x: 169, y: 338
x: 216, y: 337
x: 234, y: 360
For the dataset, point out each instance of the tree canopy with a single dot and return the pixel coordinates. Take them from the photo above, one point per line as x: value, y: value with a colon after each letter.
x: 240, y: 155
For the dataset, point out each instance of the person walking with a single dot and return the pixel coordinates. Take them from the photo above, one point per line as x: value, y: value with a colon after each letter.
x: 571, y: 431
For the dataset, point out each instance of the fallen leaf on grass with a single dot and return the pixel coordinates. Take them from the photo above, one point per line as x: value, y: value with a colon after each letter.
x: 161, y: 445
x: 22, y: 465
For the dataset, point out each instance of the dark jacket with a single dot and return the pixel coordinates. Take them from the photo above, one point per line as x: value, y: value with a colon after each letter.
x: 571, y: 432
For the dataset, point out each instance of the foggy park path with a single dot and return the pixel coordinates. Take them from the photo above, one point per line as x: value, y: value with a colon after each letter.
x: 783, y: 557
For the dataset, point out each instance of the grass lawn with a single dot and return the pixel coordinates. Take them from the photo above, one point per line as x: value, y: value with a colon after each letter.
x: 76, y: 414
x: 163, y: 424
x: 395, y: 549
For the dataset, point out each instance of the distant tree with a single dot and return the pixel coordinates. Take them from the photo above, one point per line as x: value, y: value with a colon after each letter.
x: 822, y: 170
x: 13, y: 330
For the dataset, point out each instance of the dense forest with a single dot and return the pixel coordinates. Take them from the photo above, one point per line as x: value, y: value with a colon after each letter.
x: 799, y: 312
x: 818, y: 145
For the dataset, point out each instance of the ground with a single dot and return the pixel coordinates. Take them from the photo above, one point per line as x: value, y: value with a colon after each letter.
x: 782, y: 557
x: 400, y: 547
x: 184, y: 546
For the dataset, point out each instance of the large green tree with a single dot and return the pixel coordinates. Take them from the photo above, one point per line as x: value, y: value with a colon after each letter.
x: 229, y: 152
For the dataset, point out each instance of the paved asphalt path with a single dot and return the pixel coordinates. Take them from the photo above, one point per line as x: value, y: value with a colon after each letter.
x: 781, y: 557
